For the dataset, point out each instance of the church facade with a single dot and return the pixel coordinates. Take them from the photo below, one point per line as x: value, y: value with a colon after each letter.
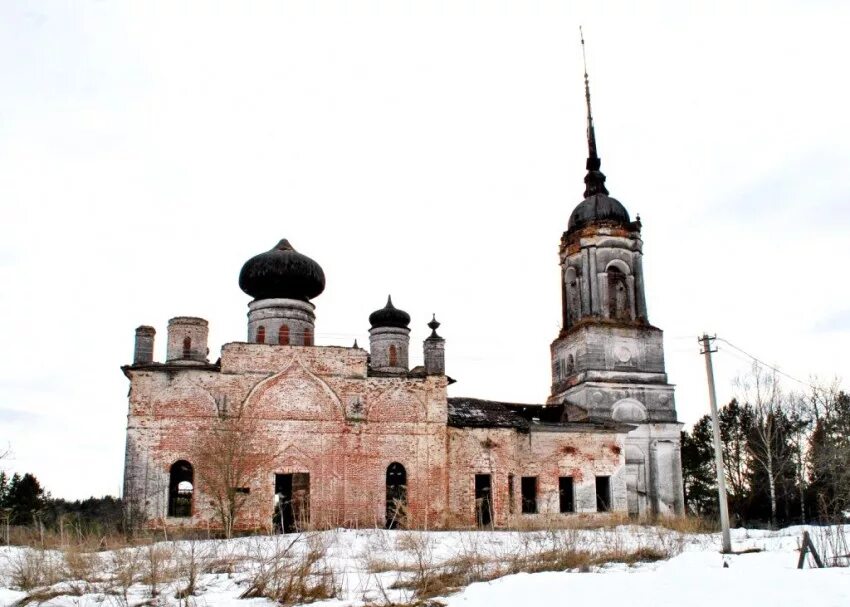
x: 283, y: 433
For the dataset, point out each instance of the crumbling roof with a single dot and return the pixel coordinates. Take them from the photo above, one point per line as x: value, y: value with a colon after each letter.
x: 477, y: 413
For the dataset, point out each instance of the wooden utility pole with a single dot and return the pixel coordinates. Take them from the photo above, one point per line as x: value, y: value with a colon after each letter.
x: 705, y: 340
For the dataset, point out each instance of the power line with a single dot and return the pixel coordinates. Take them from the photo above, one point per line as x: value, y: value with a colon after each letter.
x: 764, y: 364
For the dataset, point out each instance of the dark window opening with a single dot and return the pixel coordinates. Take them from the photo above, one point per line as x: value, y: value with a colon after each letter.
x: 242, y: 490
x: 565, y: 494
x: 181, y: 480
x: 618, y: 295
x: 483, y: 500
x: 261, y: 334
x: 528, y: 487
x: 308, y: 337
x: 283, y: 335
x: 603, y: 493
x: 510, y: 493
x: 393, y: 356
x: 292, y: 502
x: 573, y: 298
x: 396, y: 507
x: 187, y: 347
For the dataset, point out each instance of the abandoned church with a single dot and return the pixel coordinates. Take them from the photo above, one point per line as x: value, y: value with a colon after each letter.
x: 282, y: 433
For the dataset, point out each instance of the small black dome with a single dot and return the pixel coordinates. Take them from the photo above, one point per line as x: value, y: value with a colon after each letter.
x: 283, y: 273
x: 389, y: 316
x: 597, y: 207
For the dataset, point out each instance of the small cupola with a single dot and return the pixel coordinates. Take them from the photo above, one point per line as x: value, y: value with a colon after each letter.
x: 389, y: 316
x: 389, y: 339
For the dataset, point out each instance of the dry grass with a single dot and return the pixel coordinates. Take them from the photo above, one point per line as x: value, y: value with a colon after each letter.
x: 553, y: 550
x: 33, y: 568
x: 407, y: 567
x: 686, y: 524
x: 545, y: 522
x: 294, y: 574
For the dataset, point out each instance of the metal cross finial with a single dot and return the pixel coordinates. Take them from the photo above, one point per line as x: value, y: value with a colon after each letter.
x: 591, y: 134
x: 594, y: 180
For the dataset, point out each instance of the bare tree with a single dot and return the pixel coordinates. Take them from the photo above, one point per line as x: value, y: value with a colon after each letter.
x: 230, y: 454
x: 768, y: 446
x: 800, y: 423
x: 829, y: 450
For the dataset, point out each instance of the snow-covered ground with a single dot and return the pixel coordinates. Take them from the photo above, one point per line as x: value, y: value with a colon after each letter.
x: 375, y: 567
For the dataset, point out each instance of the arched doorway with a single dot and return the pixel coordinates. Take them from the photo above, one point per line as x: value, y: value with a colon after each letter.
x: 396, y: 496
x: 181, y: 487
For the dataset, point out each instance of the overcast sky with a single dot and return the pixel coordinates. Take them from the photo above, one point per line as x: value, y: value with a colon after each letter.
x: 432, y: 150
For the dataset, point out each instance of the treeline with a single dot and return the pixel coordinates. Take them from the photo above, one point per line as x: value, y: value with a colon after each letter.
x: 786, y: 455
x: 24, y: 502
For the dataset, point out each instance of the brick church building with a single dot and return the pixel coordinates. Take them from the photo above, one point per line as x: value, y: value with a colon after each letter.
x: 297, y: 433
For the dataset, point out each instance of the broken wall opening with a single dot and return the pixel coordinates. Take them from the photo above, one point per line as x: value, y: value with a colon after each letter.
x: 396, y: 507
x: 565, y: 494
x: 603, y: 493
x: 292, y: 502
x: 528, y: 488
x: 483, y: 500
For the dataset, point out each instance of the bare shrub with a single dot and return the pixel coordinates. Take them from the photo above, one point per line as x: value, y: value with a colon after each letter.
x: 32, y: 567
x: 292, y: 575
x: 189, y: 563
x: 126, y: 569
x: 156, y: 570
x: 222, y: 558
x: 81, y: 565
x: 833, y: 544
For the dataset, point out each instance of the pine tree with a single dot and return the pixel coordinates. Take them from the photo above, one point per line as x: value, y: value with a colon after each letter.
x: 25, y: 497
x: 698, y: 471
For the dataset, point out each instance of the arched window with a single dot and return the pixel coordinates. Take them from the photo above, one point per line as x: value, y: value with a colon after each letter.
x: 573, y: 303
x: 283, y: 335
x: 396, y: 496
x: 187, y: 347
x: 180, y: 489
x: 261, y: 334
x: 393, y: 356
x: 618, y: 294
x: 308, y: 337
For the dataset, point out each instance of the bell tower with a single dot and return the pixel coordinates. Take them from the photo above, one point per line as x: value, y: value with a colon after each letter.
x: 608, y: 359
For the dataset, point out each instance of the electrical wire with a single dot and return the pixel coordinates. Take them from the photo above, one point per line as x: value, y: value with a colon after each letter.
x: 764, y: 364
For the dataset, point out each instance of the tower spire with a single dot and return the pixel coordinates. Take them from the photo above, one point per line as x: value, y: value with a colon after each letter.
x: 594, y: 180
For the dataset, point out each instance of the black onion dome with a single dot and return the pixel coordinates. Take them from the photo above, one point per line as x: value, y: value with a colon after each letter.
x: 598, y: 207
x: 389, y: 316
x: 283, y: 273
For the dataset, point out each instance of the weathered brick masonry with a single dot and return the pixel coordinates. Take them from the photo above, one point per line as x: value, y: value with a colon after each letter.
x: 340, y: 436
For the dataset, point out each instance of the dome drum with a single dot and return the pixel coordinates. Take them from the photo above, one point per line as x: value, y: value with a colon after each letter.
x: 389, y: 349
x: 281, y: 322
